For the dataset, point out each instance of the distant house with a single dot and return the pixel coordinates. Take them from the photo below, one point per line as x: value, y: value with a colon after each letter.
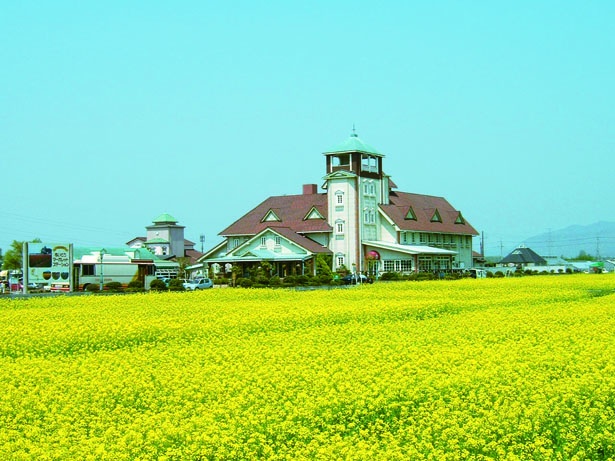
x: 165, y: 239
x: 360, y: 223
x: 524, y: 257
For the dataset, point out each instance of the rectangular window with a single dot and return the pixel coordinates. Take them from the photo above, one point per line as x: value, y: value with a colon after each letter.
x: 88, y: 269
x: 340, y: 199
x: 340, y: 261
x: 263, y: 241
x: 278, y: 240
x: 425, y: 263
x: 406, y: 265
x: 389, y: 265
x: 340, y: 228
x: 235, y: 243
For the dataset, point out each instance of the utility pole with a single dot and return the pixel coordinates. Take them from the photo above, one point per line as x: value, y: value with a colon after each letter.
x: 202, y: 239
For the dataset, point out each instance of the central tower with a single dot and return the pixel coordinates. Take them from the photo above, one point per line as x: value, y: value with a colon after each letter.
x: 355, y: 187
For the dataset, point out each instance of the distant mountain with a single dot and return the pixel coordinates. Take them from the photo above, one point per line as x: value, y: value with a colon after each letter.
x: 570, y: 241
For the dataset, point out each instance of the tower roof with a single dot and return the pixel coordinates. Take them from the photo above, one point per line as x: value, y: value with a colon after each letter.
x: 353, y: 144
x: 165, y: 218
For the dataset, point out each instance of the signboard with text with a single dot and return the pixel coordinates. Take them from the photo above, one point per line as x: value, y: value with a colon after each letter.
x: 48, y: 264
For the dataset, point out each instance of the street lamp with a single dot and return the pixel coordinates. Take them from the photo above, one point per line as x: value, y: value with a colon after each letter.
x: 102, y: 278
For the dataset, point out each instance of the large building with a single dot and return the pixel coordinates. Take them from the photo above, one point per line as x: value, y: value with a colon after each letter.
x: 360, y: 221
x: 165, y: 238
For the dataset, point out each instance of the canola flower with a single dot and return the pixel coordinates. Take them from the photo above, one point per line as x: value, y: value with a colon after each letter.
x: 496, y: 369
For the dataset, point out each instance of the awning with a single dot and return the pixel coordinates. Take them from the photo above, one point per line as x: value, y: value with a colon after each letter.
x: 408, y: 249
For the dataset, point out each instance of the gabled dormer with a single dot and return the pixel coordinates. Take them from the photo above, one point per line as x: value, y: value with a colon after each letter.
x: 271, y: 216
x: 436, y: 217
x: 410, y: 215
x: 313, y: 214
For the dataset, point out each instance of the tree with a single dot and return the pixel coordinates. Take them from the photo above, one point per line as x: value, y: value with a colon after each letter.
x: 583, y: 256
x: 13, y: 257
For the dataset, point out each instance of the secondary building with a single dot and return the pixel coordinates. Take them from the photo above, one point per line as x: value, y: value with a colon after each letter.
x: 359, y: 223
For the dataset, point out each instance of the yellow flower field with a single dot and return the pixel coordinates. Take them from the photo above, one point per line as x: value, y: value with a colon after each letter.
x: 505, y: 369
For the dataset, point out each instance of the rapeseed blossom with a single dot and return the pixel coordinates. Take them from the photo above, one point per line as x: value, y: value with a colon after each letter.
x: 519, y: 368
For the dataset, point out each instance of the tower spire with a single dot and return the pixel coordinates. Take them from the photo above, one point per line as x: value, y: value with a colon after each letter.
x: 354, y: 132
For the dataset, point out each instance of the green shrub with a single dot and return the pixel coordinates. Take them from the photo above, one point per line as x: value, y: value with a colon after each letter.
x: 245, y: 283
x: 390, y: 276
x: 135, y: 287
x: 261, y: 280
x: 275, y: 281
x: 176, y: 285
x: 290, y: 280
x: 499, y: 274
x: 114, y: 287
x: 92, y: 287
x: 157, y: 285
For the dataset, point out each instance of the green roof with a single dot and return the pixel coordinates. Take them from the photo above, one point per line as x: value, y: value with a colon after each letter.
x: 140, y: 253
x: 156, y: 240
x: 165, y: 218
x: 354, y: 144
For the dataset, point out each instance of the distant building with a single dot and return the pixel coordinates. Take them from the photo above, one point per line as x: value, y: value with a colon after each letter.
x: 524, y: 257
x: 360, y: 222
x: 165, y: 239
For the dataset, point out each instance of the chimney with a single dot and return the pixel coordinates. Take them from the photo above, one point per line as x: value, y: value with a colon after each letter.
x: 310, y: 189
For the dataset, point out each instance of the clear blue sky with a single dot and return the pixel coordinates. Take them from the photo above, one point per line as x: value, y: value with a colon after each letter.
x: 112, y: 113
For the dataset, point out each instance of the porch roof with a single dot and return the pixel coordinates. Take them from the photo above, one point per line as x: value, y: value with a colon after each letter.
x: 260, y: 255
x: 408, y: 249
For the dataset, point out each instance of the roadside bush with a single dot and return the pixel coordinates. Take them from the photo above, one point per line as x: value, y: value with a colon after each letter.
x: 275, y: 281
x: 157, y: 285
x: 245, y: 283
x: 176, y: 285
x: 303, y: 280
x: 261, y: 280
x: 499, y: 274
x: 390, y: 276
x: 135, y: 287
x: 221, y: 281
x: 290, y: 280
x: 93, y: 288
x: 114, y: 287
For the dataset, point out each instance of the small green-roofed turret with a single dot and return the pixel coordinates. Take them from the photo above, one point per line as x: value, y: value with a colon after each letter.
x: 353, y: 144
x: 165, y: 218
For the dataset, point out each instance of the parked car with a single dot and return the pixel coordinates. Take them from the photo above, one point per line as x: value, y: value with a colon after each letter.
x: 353, y: 279
x: 198, y: 284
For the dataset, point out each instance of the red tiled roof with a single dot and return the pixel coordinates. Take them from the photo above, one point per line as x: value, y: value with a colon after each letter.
x: 291, y: 209
x: 424, y: 207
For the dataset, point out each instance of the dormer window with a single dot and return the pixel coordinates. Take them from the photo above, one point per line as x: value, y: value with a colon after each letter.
x: 411, y: 215
x: 271, y: 216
